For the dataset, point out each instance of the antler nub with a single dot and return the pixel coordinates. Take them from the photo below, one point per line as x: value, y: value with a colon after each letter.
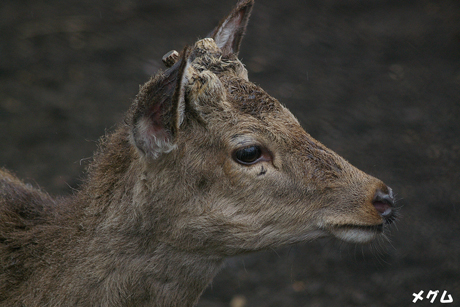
x: 170, y: 58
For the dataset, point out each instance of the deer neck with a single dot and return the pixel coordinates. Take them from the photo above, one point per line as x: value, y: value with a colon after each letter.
x: 127, y: 223
x: 163, y: 276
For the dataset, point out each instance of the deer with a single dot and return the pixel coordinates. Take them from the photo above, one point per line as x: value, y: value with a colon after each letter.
x: 205, y: 166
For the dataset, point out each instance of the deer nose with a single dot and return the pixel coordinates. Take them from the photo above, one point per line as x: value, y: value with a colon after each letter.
x: 383, y: 203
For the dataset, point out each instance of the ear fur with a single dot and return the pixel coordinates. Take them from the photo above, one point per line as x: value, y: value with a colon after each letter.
x: 230, y: 31
x: 159, y: 110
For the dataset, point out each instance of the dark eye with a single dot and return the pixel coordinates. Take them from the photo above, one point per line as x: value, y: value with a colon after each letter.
x: 248, y: 155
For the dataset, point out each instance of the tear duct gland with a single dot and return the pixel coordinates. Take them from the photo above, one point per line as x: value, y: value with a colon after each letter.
x: 205, y: 165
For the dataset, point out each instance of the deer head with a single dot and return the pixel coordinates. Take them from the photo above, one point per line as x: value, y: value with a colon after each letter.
x: 241, y: 172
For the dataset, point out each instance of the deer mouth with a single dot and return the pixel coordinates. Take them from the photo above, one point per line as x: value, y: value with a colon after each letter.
x: 357, y: 233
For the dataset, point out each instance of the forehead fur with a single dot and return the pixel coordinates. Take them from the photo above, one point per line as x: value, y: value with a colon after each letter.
x: 249, y: 98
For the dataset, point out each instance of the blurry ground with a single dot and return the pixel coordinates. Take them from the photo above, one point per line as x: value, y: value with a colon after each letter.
x: 377, y: 81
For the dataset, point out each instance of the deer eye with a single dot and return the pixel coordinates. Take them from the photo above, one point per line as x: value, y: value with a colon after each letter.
x: 248, y: 155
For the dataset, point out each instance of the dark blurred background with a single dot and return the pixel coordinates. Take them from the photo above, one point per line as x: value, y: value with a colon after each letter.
x: 378, y: 81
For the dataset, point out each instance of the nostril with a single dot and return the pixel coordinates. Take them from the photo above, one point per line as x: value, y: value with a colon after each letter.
x: 383, y: 203
x: 383, y: 208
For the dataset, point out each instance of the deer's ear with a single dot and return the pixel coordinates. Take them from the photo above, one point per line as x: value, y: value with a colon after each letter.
x: 159, y: 110
x: 230, y: 31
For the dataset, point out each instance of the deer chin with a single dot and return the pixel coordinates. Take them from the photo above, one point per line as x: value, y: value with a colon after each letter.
x: 356, y: 233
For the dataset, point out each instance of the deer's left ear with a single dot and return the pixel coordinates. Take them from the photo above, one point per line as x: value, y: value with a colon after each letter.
x: 159, y: 109
x: 230, y: 31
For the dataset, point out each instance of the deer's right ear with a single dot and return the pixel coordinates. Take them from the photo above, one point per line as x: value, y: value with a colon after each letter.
x: 159, y: 110
x: 230, y: 31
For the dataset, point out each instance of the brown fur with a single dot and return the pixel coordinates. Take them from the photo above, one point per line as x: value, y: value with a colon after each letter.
x: 166, y: 201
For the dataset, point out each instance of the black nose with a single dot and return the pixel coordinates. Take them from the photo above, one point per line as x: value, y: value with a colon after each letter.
x: 383, y: 203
